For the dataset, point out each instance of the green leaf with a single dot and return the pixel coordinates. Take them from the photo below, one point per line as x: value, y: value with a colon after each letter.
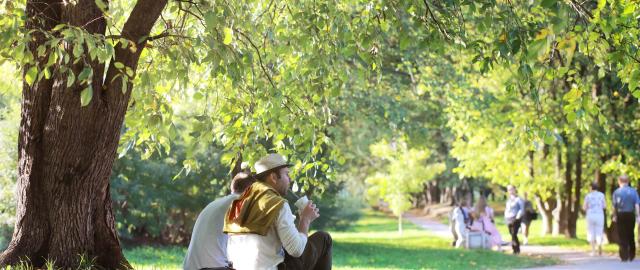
x: 71, y: 78
x: 86, y: 95
x: 124, y: 84
x: 85, y: 74
x: 629, y: 9
x: 52, y: 59
x: 228, y: 36
x: 77, y: 50
x: 636, y: 94
x: 31, y: 74
x: 118, y: 65
x: 633, y: 80
x: 548, y: 3
x: 58, y: 27
x: 101, y: 5
x: 210, y: 20
x: 601, y: 4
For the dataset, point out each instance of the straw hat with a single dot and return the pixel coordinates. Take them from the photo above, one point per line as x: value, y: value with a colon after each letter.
x: 270, y: 163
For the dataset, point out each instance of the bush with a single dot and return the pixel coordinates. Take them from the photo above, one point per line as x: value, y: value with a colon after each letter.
x: 339, y: 208
x: 150, y: 206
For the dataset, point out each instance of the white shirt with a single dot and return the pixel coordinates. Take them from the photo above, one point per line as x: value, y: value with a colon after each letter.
x: 254, y: 251
x: 595, y: 203
x: 208, y: 246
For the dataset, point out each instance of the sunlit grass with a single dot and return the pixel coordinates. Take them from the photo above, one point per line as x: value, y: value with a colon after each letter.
x: 536, y: 238
x: 373, y: 243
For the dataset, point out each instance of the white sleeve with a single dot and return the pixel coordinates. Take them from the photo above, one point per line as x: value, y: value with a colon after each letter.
x: 292, y: 240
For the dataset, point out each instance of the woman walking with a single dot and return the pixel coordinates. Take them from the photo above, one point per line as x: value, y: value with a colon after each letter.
x: 594, y: 205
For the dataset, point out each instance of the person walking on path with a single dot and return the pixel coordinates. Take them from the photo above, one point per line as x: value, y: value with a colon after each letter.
x: 483, y: 221
x: 528, y: 216
x: 625, y: 203
x: 513, y: 216
x: 594, y: 206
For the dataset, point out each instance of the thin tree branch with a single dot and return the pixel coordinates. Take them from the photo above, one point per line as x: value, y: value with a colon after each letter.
x: 264, y: 69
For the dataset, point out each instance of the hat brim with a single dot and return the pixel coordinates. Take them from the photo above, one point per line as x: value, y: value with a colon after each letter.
x: 258, y: 175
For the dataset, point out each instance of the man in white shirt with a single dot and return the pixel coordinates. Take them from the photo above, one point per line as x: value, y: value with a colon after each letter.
x: 208, y: 246
x: 262, y: 233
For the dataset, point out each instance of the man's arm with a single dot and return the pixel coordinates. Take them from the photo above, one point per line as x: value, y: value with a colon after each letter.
x: 293, y: 241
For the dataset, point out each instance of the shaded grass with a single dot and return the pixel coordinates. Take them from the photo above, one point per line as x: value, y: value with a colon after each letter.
x: 372, y: 243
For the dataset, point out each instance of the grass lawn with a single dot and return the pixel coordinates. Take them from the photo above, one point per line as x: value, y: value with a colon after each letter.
x: 372, y: 243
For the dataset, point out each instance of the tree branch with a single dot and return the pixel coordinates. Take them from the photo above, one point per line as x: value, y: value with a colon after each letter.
x: 264, y: 69
x: 138, y: 26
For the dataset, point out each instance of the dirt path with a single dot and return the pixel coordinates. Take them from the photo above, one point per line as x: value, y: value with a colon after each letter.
x: 572, y: 259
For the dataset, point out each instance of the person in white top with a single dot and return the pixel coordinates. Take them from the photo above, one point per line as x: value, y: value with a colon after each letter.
x: 459, y: 221
x: 262, y: 233
x: 594, y: 205
x: 208, y: 246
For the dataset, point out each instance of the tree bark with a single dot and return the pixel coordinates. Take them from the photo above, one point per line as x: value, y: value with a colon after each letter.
x: 546, y: 212
x: 559, y: 213
x: 568, y: 196
x: 66, y: 151
x: 575, y: 211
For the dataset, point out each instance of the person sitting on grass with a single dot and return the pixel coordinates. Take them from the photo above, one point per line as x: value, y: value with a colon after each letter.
x: 208, y: 246
x: 261, y: 225
x: 483, y: 222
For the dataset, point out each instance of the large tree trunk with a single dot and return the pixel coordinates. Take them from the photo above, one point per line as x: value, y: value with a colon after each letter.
x: 66, y: 151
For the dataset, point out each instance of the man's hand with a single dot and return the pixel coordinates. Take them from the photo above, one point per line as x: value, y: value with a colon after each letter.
x: 308, y: 215
x: 310, y: 212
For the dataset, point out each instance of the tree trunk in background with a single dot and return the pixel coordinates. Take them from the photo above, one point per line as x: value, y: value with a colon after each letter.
x: 546, y: 212
x: 559, y: 213
x: 573, y: 218
x: 600, y: 177
x: 66, y: 151
x: 431, y: 192
x: 568, y: 196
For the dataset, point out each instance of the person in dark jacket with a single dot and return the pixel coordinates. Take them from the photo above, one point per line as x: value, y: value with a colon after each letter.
x: 626, y: 205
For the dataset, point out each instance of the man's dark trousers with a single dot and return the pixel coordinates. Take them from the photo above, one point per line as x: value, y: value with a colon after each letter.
x: 514, y: 227
x: 626, y: 238
x: 316, y: 254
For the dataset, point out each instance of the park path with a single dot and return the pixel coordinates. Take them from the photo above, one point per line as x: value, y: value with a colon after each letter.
x: 571, y: 259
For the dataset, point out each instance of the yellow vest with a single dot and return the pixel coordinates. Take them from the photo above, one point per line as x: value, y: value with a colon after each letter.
x: 255, y: 211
